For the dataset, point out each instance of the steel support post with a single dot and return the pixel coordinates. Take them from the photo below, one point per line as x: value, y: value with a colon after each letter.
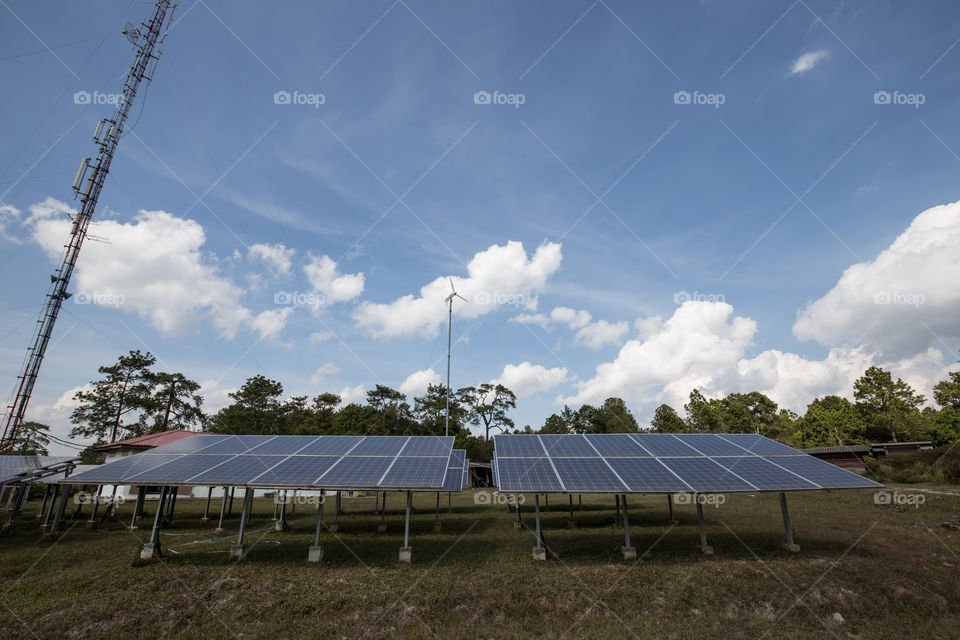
x: 790, y: 545
x: 707, y: 549
x: 539, y: 552
x: 206, y: 509
x: 628, y: 551
x: 152, y: 549
x: 223, y: 510
x: 315, y: 554
x: 137, y: 508
x: 406, y: 553
x: 239, y: 550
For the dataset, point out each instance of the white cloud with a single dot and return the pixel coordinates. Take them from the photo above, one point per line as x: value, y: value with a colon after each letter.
x: 154, y: 267
x: 325, y: 277
x: 808, y: 61
x: 357, y: 394
x: 525, y: 379
x: 324, y: 370
x: 570, y: 317
x: 498, y: 276
x: 8, y: 215
x: 275, y: 256
x: 597, y: 334
x: 538, y: 319
x: 902, y: 302
x: 416, y: 383
x: 320, y: 336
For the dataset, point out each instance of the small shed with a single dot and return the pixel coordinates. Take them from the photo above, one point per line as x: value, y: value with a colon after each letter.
x: 899, y: 448
x: 848, y: 456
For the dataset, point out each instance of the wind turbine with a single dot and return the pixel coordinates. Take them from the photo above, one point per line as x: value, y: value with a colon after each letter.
x: 449, y: 301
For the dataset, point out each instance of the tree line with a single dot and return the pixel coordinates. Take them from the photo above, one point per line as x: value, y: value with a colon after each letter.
x: 131, y: 398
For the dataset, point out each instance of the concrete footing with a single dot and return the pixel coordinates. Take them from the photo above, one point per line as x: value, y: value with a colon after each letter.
x: 280, y: 525
x: 315, y: 554
x: 381, y: 528
x: 792, y: 548
x: 437, y: 525
x: 238, y: 552
x: 132, y: 527
x: 707, y: 550
x: 539, y: 553
x: 334, y: 527
x: 91, y: 524
x: 218, y: 530
x: 406, y: 555
x: 517, y: 525
x: 629, y: 553
x: 149, y: 551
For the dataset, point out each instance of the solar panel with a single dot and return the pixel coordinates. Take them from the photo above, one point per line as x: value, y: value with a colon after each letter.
x: 466, y: 473
x: 20, y: 468
x: 348, y: 462
x: 660, y: 463
x: 574, y: 446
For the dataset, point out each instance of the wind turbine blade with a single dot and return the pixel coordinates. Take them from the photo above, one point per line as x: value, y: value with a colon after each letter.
x: 461, y: 297
x: 451, y: 286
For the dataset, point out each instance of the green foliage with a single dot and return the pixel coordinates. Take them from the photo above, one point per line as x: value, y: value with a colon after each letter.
x: 946, y: 393
x: 830, y: 421
x: 667, y: 420
x: 256, y: 410
x: 487, y: 405
x: 940, y: 465
x: 888, y: 408
x: 430, y: 411
x: 173, y: 403
x: 32, y: 440
x: 112, y: 408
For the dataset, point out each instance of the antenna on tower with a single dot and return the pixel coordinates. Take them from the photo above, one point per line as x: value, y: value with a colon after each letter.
x: 449, y: 301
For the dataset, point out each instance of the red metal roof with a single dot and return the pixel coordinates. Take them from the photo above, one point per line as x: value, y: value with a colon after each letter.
x: 150, y: 440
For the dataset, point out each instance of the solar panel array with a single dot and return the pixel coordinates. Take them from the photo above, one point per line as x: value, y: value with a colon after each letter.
x: 25, y: 468
x: 301, y: 462
x: 660, y: 463
x: 455, y: 470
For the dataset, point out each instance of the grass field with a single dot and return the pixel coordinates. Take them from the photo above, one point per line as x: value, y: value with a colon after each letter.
x: 865, y: 571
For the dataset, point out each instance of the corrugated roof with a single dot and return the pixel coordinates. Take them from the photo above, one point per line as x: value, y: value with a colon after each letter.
x: 150, y: 440
x: 850, y: 448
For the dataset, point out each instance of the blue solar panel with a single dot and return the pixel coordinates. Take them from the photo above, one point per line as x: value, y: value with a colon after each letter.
x: 664, y: 444
x: 711, y: 444
x: 236, y: 444
x: 647, y: 475
x: 823, y: 473
x: 518, y: 447
x: 119, y: 470
x: 191, y: 444
x: 428, y: 446
x: 705, y: 475
x: 760, y: 445
x: 572, y: 446
x: 588, y: 474
x: 285, y: 445
x: 379, y: 446
x: 179, y: 470
x: 457, y: 457
x: 617, y: 445
x: 417, y: 472
x: 295, y: 471
x: 527, y: 475
x: 763, y: 474
x: 330, y: 445
x: 452, y: 481
x: 234, y: 471
x: 466, y: 473
x: 359, y: 472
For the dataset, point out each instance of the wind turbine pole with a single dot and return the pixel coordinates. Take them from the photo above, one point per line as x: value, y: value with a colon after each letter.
x: 446, y: 425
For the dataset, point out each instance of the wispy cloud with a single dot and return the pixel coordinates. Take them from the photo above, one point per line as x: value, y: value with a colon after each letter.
x: 808, y: 61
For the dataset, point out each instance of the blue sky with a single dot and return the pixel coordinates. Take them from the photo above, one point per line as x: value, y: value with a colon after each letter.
x: 628, y: 198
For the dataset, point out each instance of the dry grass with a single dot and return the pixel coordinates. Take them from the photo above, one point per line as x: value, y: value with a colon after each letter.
x: 887, y: 571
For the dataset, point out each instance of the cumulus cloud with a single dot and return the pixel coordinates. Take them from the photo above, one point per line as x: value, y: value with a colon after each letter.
x: 276, y: 256
x: 902, y: 302
x: 525, y: 379
x: 597, y: 334
x: 154, y: 267
x: 416, y: 383
x: 324, y: 370
x: 808, y: 61
x: 325, y: 277
x: 570, y: 317
x: 500, y: 275
x: 348, y: 395
x: 320, y: 336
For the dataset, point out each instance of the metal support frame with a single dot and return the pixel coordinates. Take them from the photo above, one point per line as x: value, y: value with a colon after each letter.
x: 43, y: 505
x: 92, y: 522
x: 282, y: 521
x: 206, y: 509
x: 239, y: 550
x: 53, y: 501
x: 61, y: 509
x: 137, y: 508
x: 580, y: 500
x: 539, y: 552
x: 406, y: 552
x: 223, y: 509
x: 670, y: 508
x: 76, y: 512
x: 789, y: 545
x: 276, y: 505
x: 336, y: 513
x: 518, y: 523
x: 436, y: 522
x: 707, y: 549
x: 383, y: 514
x: 173, y: 504
x: 315, y: 554
x: 17, y: 503
x: 628, y: 551
x: 233, y: 491
x: 151, y: 549
x: 618, y: 505
x: 571, y: 523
